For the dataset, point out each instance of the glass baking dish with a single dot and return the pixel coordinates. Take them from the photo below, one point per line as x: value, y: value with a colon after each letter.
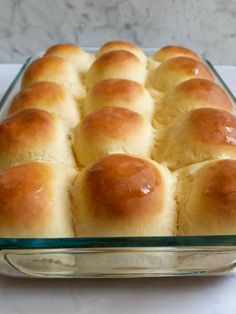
x: 115, y: 256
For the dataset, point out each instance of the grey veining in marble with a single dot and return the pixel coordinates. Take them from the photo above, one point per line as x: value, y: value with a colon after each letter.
x: 29, y: 26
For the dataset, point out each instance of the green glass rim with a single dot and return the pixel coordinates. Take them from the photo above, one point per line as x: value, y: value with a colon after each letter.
x: 220, y: 79
x: 13, y: 83
x: 118, y: 242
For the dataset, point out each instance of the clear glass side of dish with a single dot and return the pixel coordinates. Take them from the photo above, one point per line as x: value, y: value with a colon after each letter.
x: 118, y: 262
x: 111, y: 256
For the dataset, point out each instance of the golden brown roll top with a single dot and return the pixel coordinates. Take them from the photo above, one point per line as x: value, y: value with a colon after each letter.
x: 207, y: 198
x: 33, y: 134
x: 120, y: 93
x: 54, y: 69
x: 170, y: 52
x: 192, y: 94
x: 34, y: 201
x: 112, y: 130
x: 72, y: 53
x: 123, y: 45
x: 121, y: 195
x: 118, y: 64
x: 49, y: 96
x: 119, y: 191
x: 198, y: 135
x: 174, y: 71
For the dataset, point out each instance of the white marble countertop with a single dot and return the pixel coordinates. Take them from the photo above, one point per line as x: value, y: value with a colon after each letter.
x: 192, y: 295
x: 207, y: 27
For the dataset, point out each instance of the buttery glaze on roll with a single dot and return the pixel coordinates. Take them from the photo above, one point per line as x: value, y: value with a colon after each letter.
x: 118, y: 64
x: 123, y: 45
x: 34, y: 201
x: 119, y: 191
x: 33, y: 134
x: 112, y: 130
x: 198, y: 135
x: 120, y: 93
x: 189, y: 95
x: 170, y: 52
x: 121, y: 195
x: 72, y: 53
x: 177, y: 70
x: 48, y: 96
x: 207, y: 198
x: 54, y: 69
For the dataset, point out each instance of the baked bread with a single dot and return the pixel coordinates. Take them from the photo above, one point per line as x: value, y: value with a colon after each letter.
x: 122, y: 45
x: 174, y: 71
x: 154, y: 132
x: 198, y: 135
x: 33, y: 134
x: 57, y: 70
x: 72, y: 53
x: 207, y: 198
x: 48, y: 96
x: 120, y: 93
x: 189, y: 95
x: 34, y: 201
x: 170, y: 52
x: 122, y: 195
x: 118, y: 64
x: 112, y: 130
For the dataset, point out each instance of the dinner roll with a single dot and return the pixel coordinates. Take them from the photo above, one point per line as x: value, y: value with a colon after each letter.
x: 207, y: 198
x: 123, y: 45
x: 169, y: 52
x: 49, y: 96
x: 112, y: 130
x: 118, y: 64
x: 33, y: 134
x: 54, y: 69
x: 174, y: 71
x: 72, y: 53
x: 34, y: 201
x: 122, y: 195
x: 192, y: 94
x: 120, y: 93
x: 198, y: 135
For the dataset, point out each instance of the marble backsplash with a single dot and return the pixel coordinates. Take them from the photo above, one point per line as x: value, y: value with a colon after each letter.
x: 29, y: 26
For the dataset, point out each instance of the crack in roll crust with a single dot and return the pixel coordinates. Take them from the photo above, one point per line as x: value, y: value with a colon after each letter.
x: 118, y: 64
x: 112, y: 130
x: 124, y: 195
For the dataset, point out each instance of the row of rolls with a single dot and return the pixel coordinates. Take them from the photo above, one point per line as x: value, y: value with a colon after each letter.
x: 118, y: 144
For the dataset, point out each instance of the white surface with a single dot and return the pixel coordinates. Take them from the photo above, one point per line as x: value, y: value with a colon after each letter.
x: 29, y: 26
x: 196, y: 295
